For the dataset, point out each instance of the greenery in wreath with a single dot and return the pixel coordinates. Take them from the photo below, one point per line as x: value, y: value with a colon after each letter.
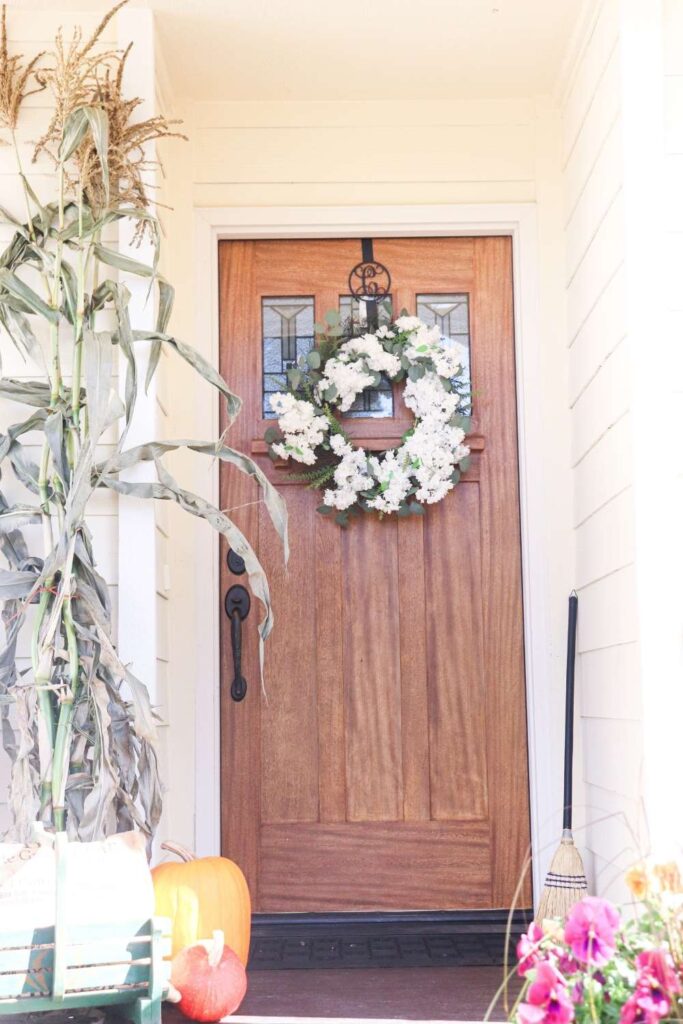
x: 325, y: 384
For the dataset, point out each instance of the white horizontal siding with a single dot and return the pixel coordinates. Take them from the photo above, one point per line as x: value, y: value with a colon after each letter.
x: 610, y: 682
x: 602, y: 403
x: 605, y: 541
x: 600, y: 372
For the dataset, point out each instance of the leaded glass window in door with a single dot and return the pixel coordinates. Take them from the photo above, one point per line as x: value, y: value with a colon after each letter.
x: 288, y: 333
x: 450, y: 312
x: 376, y: 402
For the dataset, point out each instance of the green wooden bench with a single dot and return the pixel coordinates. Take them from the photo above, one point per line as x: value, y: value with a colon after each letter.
x: 98, y: 964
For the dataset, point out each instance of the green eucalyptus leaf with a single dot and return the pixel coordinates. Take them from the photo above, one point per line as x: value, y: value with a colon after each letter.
x: 416, y: 372
x: 313, y: 359
x: 465, y: 464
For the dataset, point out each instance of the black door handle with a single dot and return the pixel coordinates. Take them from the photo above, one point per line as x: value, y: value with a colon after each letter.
x: 237, y: 605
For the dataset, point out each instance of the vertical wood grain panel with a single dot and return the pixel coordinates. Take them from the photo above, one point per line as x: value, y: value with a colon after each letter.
x: 372, y: 671
x: 289, y: 718
x: 240, y: 723
x: 330, y: 670
x: 455, y: 657
x: 414, y: 695
x: 494, y: 378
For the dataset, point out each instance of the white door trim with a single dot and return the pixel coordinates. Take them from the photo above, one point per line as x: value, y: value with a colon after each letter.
x: 520, y: 221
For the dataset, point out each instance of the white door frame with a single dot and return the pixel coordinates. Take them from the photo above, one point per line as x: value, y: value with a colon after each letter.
x: 519, y: 220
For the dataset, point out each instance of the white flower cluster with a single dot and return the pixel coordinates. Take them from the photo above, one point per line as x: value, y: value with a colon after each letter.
x: 351, y: 370
x: 303, y: 428
x: 427, y: 343
x: 423, y: 466
x: 351, y: 475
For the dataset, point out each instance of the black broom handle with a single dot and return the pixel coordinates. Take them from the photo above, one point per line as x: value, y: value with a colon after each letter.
x: 569, y: 712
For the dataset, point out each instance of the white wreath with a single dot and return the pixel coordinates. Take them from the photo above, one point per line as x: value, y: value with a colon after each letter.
x: 421, y: 470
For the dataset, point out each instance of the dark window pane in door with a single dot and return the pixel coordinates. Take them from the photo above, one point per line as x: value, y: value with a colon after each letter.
x: 374, y: 402
x: 450, y: 312
x: 288, y: 332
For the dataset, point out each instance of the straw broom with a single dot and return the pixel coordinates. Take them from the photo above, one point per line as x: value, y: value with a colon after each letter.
x: 565, y: 883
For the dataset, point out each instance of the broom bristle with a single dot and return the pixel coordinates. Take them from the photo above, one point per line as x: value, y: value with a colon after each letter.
x: 565, y: 882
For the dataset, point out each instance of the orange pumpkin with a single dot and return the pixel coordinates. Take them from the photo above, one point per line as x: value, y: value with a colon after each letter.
x: 202, y: 896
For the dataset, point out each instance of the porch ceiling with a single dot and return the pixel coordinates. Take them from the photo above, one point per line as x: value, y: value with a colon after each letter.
x: 357, y: 49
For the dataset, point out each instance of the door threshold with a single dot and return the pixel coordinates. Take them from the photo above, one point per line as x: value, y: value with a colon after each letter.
x: 384, y: 940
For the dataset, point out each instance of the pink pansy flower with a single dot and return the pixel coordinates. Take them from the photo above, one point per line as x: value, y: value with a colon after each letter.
x: 655, y: 967
x: 656, y: 983
x: 528, y: 949
x: 547, y: 999
x: 591, y: 930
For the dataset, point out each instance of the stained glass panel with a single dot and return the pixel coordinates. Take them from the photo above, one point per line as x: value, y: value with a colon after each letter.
x: 288, y: 332
x: 375, y: 402
x: 451, y: 314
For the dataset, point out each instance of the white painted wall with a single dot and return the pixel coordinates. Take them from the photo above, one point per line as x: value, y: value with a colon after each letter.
x: 622, y: 108
x: 601, y: 456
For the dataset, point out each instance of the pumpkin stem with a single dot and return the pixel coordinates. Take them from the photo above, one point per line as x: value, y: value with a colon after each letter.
x: 216, y: 951
x: 180, y: 851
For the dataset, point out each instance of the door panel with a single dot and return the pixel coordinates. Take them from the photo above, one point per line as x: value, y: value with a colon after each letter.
x: 385, y: 765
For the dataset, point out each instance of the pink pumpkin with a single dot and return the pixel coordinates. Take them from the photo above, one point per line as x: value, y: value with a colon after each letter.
x: 209, y: 979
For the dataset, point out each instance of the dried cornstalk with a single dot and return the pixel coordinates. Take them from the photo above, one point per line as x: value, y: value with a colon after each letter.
x: 78, y: 724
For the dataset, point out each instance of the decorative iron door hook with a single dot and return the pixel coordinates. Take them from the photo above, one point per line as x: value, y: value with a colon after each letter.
x: 237, y: 605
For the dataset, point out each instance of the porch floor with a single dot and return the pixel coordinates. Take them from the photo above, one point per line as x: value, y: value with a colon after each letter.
x: 412, y: 993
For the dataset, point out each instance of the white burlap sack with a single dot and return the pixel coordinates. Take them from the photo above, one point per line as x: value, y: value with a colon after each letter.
x: 105, y: 881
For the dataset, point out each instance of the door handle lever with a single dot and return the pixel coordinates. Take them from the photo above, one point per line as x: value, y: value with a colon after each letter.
x: 237, y: 605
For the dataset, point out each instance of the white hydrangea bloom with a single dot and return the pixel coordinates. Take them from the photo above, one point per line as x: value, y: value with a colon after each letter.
x: 351, y: 477
x: 449, y: 358
x: 409, y: 323
x: 301, y: 425
x: 384, y: 332
x: 372, y: 353
x: 393, y: 475
x: 339, y: 445
x: 350, y: 379
x: 428, y: 397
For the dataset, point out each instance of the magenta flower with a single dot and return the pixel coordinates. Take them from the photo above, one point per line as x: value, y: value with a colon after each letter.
x: 656, y: 983
x: 591, y: 929
x: 528, y: 949
x: 656, y: 970
x: 548, y: 1001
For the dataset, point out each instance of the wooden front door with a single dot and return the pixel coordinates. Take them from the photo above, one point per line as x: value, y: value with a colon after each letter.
x: 385, y: 766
